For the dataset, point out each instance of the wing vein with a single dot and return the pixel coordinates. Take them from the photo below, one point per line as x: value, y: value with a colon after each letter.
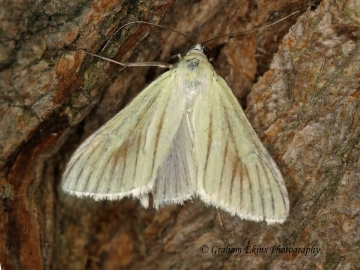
x: 208, y: 150
x: 158, y: 135
x: 261, y: 190
x: 223, y: 169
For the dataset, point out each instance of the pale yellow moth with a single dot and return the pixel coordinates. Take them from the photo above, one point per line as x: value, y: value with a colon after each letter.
x: 183, y: 136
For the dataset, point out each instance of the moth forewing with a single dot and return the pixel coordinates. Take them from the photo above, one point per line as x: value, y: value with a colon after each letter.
x: 269, y: 185
x: 135, y: 142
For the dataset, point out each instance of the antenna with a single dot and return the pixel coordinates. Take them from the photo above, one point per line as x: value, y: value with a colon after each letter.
x: 165, y: 65
x: 148, y: 23
x: 252, y: 30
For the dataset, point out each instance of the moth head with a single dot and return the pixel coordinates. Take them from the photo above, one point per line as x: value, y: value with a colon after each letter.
x: 198, y: 48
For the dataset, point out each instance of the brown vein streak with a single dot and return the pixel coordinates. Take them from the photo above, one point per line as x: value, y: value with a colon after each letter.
x: 261, y: 188
x: 208, y: 148
x: 158, y: 135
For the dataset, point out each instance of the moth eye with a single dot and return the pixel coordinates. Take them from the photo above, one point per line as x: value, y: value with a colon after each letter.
x: 207, y: 52
x: 191, y: 47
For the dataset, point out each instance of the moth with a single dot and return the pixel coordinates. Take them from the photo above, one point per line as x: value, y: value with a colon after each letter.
x: 184, y: 136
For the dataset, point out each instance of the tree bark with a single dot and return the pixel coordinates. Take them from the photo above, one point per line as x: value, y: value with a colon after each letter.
x: 304, y: 108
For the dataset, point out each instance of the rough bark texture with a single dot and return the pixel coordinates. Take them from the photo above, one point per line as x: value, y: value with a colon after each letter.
x: 305, y: 109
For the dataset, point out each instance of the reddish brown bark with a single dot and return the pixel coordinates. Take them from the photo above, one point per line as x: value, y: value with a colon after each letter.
x: 305, y: 110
